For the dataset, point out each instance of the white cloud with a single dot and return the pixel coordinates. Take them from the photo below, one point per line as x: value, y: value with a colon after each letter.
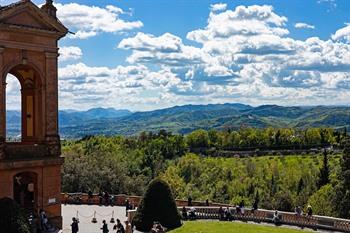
x: 342, y: 33
x: 304, y: 26
x: 68, y: 53
x: 218, y: 7
x: 87, y: 21
x: 251, y: 20
x: 166, y: 49
x: 247, y: 55
x: 241, y: 55
x: 146, y: 42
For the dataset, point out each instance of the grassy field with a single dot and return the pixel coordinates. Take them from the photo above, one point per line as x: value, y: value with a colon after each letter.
x: 230, y: 227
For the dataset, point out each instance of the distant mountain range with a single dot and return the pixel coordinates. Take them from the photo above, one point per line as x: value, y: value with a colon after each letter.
x: 185, y: 119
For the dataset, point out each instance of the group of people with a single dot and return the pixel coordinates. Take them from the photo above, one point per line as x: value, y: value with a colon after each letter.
x: 104, y: 198
x: 157, y: 228
x: 117, y: 228
x: 190, y: 215
x: 228, y: 213
x: 299, y: 212
x: 277, y: 218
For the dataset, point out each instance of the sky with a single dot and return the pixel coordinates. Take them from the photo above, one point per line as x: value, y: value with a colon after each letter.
x: 150, y: 54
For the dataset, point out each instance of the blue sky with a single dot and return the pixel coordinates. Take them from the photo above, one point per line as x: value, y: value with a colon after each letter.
x: 144, y: 55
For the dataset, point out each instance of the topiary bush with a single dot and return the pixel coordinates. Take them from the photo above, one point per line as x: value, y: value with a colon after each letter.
x: 157, y: 204
x: 12, y: 217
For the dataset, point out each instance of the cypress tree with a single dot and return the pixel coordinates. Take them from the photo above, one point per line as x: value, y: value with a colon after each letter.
x: 343, y: 189
x: 157, y: 204
x: 324, y: 171
x: 301, y: 186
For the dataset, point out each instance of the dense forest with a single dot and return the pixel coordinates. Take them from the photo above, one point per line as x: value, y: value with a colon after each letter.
x: 120, y: 164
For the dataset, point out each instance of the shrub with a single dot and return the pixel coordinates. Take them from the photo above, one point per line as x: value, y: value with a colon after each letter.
x: 284, y: 201
x: 12, y: 217
x: 157, y: 204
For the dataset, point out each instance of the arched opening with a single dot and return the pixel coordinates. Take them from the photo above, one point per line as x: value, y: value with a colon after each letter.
x: 13, y: 109
x: 25, y: 190
x: 29, y: 104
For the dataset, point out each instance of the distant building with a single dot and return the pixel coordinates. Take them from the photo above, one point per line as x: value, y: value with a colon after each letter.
x: 30, y: 168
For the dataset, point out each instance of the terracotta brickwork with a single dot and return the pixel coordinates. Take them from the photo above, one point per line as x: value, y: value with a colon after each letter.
x: 28, y: 50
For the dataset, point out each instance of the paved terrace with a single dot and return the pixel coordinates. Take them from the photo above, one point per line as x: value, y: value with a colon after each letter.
x: 85, y: 214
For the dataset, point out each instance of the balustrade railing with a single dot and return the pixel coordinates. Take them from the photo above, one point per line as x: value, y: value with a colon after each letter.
x: 287, y: 218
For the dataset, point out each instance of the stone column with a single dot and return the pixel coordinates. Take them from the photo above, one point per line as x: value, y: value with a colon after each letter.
x: 51, y: 102
x: 2, y: 105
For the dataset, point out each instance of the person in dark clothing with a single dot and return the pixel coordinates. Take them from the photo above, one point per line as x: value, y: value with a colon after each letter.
x: 241, y: 204
x: 106, y: 198
x: 127, y: 207
x: 228, y: 216
x: 119, y: 227
x: 104, y: 227
x: 221, y: 214
x: 100, y: 197
x: 207, y: 202
x: 90, y: 196
x: 43, y: 220
x: 255, y: 206
x: 75, y: 225
x: 184, y: 213
x: 189, y: 201
x: 309, y: 211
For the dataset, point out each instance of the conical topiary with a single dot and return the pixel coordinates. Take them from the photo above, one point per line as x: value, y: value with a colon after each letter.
x: 12, y: 217
x: 157, y: 204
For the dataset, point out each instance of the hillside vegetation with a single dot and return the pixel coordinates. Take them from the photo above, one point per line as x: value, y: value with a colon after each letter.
x: 127, y: 164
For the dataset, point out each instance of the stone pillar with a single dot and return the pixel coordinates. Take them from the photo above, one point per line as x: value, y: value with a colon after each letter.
x: 2, y: 105
x: 51, y: 100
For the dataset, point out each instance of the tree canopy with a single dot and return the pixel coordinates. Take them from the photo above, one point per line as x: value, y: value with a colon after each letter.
x: 158, y: 205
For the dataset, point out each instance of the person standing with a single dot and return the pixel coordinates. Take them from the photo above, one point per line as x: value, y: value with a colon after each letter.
x: 127, y: 207
x: 104, y: 227
x: 189, y: 201
x: 309, y: 210
x: 128, y: 227
x: 119, y: 227
x: 75, y: 225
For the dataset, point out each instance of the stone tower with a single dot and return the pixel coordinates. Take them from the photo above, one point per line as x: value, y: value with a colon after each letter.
x: 30, y: 168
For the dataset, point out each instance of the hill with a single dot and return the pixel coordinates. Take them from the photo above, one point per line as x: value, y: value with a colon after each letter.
x: 185, y: 119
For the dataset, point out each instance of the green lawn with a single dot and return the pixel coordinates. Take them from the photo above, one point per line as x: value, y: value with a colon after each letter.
x: 230, y: 227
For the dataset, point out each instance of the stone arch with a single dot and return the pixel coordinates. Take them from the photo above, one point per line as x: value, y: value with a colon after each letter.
x: 25, y: 189
x: 31, y: 101
x: 14, y: 63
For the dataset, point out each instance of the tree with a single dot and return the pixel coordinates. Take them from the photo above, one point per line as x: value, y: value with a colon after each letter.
x: 324, y: 171
x: 343, y: 188
x: 198, y: 139
x: 322, y: 201
x: 12, y: 217
x: 301, y: 186
x: 284, y: 201
x: 157, y: 204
